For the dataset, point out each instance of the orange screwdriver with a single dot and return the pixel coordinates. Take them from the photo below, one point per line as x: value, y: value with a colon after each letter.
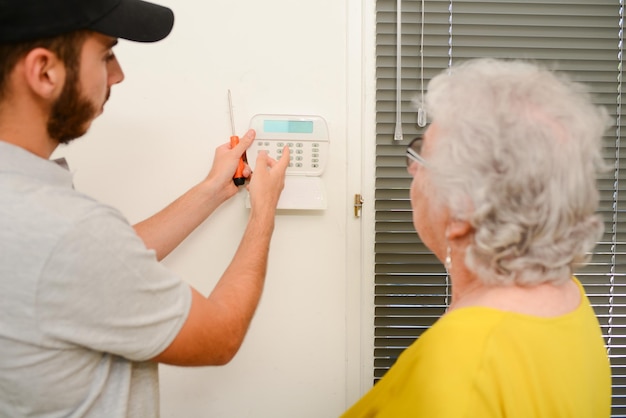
x: 238, y: 178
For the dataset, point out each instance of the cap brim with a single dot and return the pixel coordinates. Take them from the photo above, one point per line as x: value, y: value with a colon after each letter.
x: 136, y: 20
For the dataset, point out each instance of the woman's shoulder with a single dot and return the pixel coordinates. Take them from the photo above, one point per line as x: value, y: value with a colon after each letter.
x: 466, y: 328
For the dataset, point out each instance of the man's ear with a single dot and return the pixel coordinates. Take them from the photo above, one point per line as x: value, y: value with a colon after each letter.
x: 44, y: 73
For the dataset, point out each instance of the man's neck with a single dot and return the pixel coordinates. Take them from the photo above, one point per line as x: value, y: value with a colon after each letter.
x: 40, y: 149
x: 30, y: 133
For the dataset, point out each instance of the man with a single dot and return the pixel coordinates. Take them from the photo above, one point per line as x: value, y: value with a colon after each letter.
x: 86, y: 310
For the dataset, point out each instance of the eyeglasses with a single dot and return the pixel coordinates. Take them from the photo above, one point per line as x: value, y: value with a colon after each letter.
x: 413, y: 152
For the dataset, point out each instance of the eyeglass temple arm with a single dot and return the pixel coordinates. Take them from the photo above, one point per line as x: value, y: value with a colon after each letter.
x: 415, y: 156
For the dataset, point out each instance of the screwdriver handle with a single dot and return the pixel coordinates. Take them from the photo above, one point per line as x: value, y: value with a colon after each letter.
x: 238, y: 178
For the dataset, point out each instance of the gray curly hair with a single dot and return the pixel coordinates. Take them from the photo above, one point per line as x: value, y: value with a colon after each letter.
x: 517, y: 156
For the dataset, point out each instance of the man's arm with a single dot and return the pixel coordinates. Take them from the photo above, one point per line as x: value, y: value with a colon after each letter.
x: 165, y: 230
x: 216, y: 326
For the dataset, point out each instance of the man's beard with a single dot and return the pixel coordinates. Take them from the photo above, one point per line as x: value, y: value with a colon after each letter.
x: 71, y: 113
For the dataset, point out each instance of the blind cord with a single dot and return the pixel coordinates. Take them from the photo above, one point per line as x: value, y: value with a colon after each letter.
x: 450, y: 36
x: 397, y: 136
x: 449, y: 67
x: 618, y: 141
x: 421, y: 111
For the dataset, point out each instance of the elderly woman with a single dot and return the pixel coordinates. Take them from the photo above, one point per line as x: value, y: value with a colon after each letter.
x: 504, y: 193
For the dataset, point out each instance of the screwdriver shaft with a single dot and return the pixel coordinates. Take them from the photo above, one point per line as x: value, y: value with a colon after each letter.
x: 238, y: 178
x: 232, y: 117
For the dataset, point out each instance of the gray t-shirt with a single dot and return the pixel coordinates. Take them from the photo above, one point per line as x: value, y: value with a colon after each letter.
x: 83, y: 303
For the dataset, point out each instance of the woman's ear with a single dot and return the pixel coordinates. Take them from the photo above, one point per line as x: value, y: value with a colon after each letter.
x: 44, y: 73
x: 458, y: 229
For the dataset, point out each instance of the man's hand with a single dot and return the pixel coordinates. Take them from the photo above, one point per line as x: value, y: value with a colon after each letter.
x: 267, y: 182
x: 225, y: 164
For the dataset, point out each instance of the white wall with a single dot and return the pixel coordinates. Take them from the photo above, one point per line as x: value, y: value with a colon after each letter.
x: 156, y: 138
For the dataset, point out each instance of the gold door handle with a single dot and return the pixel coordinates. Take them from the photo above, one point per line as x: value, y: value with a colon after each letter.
x: 358, y: 205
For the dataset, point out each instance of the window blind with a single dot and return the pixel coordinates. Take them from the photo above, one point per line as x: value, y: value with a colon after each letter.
x: 578, y: 37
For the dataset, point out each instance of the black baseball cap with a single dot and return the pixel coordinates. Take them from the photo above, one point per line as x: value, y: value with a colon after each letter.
x: 135, y: 20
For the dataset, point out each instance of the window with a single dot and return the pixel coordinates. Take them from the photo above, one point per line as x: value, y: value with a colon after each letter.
x: 579, y: 37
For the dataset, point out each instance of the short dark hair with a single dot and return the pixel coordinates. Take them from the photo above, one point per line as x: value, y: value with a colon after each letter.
x: 66, y: 47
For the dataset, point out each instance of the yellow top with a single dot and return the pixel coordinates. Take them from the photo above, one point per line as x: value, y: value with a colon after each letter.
x: 483, y: 362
